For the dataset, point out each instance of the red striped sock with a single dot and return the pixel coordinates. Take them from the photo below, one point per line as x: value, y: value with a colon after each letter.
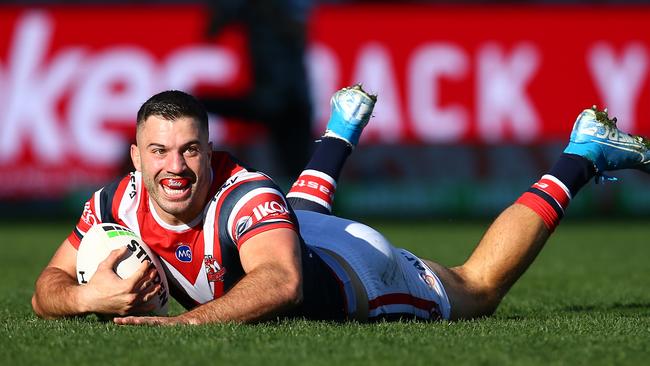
x: 314, y: 186
x: 549, y: 197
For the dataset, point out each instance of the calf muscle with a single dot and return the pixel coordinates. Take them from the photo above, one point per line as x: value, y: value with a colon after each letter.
x: 504, y: 253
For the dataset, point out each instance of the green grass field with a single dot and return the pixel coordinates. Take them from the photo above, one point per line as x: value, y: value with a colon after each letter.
x: 586, y: 300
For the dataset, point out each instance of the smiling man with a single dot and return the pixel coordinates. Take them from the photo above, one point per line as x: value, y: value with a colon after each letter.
x: 173, y: 156
x: 223, y: 232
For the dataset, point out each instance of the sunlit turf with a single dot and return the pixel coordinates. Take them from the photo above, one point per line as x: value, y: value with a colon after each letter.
x: 586, y: 300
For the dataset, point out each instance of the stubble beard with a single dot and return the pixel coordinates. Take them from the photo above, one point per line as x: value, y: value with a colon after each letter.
x: 177, y: 209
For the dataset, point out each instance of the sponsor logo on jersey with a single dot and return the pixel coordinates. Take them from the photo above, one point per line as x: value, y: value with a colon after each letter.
x: 229, y: 182
x: 213, y: 269
x: 243, y: 224
x: 269, y: 208
x: 305, y: 182
x: 184, y: 253
x: 88, y: 216
x: 261, y: 206
x: 132, y: 185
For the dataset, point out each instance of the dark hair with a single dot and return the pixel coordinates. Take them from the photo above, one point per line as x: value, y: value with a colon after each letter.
x: 171, y: 105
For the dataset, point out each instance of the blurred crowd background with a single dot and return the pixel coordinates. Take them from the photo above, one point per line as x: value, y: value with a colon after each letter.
x: 476, y: 98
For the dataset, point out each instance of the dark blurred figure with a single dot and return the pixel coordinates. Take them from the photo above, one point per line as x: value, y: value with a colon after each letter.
x: 279, y: 96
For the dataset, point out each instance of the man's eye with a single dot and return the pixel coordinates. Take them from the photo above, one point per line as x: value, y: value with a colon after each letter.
x: 158, y: 151
x: 191, y: 150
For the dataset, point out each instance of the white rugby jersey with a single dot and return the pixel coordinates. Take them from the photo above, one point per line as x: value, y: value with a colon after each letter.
x: 201, y: 259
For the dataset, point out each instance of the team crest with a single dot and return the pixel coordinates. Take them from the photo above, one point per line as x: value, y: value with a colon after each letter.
x: 213, y: 269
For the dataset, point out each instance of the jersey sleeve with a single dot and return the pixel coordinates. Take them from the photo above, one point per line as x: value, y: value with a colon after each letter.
x: 101, y: 207
x: 254, y: 206
x: 89, y: 217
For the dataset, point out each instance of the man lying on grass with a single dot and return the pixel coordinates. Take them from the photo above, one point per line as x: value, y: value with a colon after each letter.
x: 289, y: 256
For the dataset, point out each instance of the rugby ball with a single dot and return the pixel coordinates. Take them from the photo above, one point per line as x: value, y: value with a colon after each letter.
x: 98, y: 243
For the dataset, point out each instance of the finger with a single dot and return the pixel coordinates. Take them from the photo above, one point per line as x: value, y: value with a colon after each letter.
x: 139, y: 320
x: 150, y: 293
x: 127, y: 320
x: 113, y: 257
x: 138, y: 276
x: 147, y: 280
x: 147, y: 300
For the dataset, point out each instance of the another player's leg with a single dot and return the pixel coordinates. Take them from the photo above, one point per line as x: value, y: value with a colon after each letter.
x: 515, y: 238
x: 314, y: 189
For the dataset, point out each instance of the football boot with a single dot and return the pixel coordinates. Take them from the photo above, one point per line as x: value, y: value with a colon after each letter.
x: 596, y: 138
x: 351, y: 110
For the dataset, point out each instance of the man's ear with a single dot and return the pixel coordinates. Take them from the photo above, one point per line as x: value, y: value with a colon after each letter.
x: 135, y: 157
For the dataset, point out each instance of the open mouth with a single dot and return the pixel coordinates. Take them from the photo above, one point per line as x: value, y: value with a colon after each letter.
x: 175, y: 187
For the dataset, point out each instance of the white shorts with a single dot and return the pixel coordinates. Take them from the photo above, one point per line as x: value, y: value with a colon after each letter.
x: 380, y: 281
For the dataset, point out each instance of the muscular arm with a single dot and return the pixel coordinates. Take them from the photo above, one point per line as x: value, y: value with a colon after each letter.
x: 57, y: 293
x: 272, y: 284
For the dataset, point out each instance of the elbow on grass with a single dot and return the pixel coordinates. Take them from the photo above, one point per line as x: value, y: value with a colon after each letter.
x: 292, y: 291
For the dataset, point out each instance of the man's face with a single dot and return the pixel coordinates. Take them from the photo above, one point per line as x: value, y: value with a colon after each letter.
x: 174, y: 158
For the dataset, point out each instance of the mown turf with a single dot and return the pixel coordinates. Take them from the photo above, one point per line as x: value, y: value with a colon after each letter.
x: 585, y: 301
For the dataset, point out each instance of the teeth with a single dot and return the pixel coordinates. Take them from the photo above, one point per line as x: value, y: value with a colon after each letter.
x: 173, y: 191
x: 174, y: 187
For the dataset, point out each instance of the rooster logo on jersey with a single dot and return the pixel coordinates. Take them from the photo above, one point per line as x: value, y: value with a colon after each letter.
x: 213, y: 270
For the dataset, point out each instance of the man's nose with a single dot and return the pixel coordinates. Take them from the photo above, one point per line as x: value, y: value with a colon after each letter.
x: 176, y: 163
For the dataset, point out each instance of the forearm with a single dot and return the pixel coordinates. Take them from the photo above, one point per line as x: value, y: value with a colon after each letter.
x: 56, y: 295
x: 261, y: 294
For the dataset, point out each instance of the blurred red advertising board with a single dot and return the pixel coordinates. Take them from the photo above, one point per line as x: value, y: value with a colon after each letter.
x: 73, y: 77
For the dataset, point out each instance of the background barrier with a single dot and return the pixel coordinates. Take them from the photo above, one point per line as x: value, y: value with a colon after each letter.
x: 474, y: 102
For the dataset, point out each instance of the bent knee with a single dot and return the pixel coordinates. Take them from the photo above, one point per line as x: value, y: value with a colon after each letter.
x: 470, y: 296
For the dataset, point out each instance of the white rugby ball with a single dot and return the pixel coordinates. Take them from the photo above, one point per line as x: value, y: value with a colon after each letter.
x: 98, y: 243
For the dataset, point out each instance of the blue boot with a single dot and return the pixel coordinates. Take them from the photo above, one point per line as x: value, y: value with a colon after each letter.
x: 351, y: 110
x: 596, y: 138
